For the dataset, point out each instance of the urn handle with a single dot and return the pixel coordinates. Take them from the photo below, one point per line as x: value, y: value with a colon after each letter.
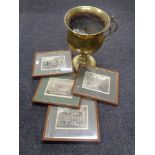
x: 112, y: 28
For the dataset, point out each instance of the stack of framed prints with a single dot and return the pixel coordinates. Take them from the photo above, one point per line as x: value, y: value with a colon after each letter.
x: 72, y: 97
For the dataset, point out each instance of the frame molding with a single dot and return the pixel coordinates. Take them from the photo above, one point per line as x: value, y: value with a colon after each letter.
x: 52, y: 103
x: 72, y: 139
x: 44, y: 75
x: 96, y: 98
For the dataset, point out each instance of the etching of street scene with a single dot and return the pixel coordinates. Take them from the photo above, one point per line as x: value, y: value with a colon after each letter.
x: 96, y: 82
x: 59, y: 87
x: 55, y: 62
x: 68, y: 118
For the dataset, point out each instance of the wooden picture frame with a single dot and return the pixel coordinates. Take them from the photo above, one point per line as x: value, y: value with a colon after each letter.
x: 108, y: 78
x: 43, y: 63
x: 50, y: 133
x: 56, y: 91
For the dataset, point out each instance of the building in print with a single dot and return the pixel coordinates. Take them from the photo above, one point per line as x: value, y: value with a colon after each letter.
x: 59, y: 87
x: 54, y: 62
x: 71, y: 118
x: 96, y: 82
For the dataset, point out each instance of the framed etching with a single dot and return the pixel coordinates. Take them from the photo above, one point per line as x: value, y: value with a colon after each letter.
x: 57, y: 91
x: 72, y: 119
x: 67, y: 124
x: 97, y: 83
x: 52, y: 63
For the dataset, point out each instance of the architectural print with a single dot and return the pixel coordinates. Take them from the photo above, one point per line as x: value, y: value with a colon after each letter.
x: 54, y: 62
x: 68, y: 118
x: 96, y: 82
x: 59, y: 87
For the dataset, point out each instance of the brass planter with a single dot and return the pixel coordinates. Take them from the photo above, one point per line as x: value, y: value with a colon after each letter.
x: 86, y: 44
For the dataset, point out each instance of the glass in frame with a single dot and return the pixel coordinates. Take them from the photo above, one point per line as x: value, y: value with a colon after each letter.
x: 52, y: 63
x: 67, y: 124
x: 57, y: 91
x: 97, y: 83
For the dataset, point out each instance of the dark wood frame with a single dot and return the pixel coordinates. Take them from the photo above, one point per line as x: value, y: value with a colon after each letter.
x: 44, y: 75
x: 73, y: 140
x: 52, y: 103
x: 96, y: 98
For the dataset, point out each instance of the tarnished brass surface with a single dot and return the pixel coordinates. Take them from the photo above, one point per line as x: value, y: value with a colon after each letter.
x: 86, y: 44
